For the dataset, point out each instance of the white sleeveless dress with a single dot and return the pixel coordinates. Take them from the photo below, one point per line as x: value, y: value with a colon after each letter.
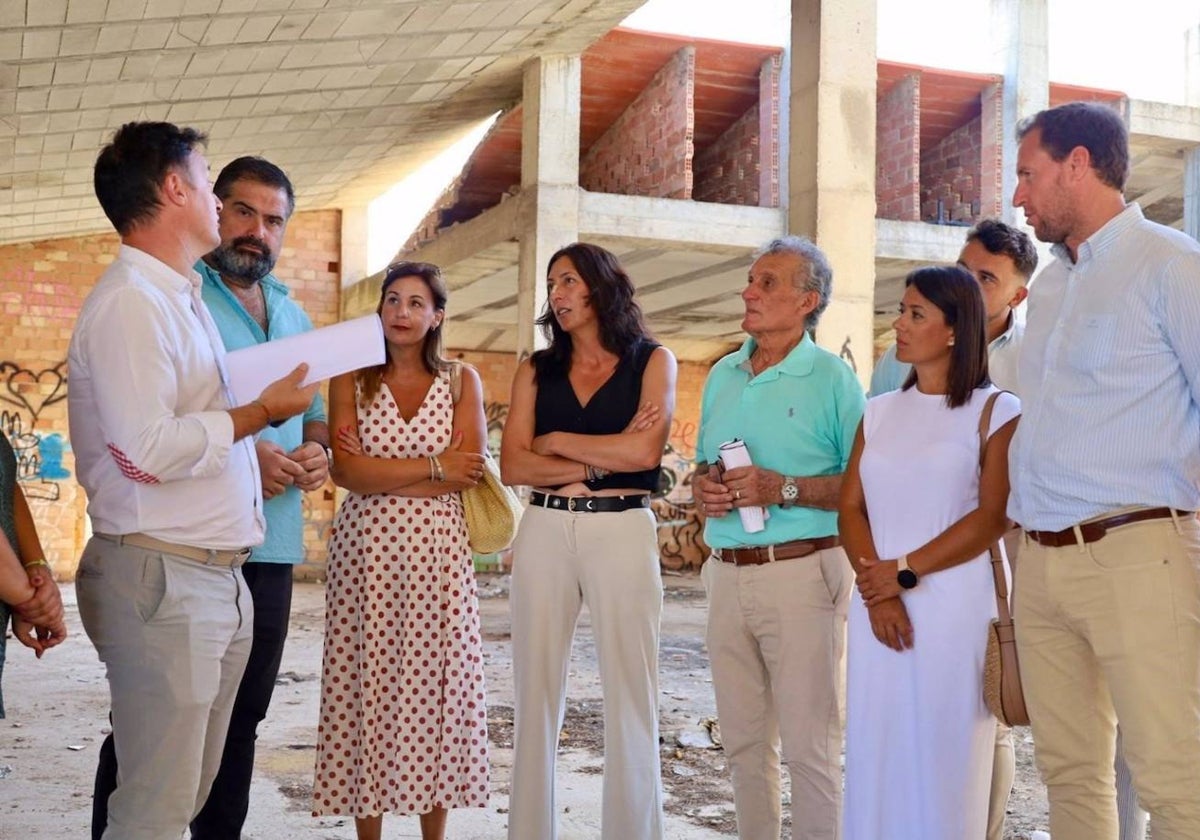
x: 919, y: 740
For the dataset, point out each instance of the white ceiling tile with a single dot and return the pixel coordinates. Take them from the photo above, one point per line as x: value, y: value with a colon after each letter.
x: 153, y: 36
x: 64, y: 99
x: 156, y: 9
x: 116, y: 38
x: 45, y: 12
x: 269, y: 57
x: 301, y: 55
x: 421, y: 19
x: 138, y: 67
x: 187, y: 33
x: 172, y: 64
x: 205, y: 63
x: 131, y: 93
x: 21, y: 146
x: 126, y: 10
x: 324, y: 25
x: 366, y: 22
x: 281, y: 82
x: 105, y: 69
x: 291, y: 26
x: 219, y: 87
x: 68, y: 122
x: 237, y: 6
x: 30, y: 101
x: 39, y: 43
x: 237, y: 61
x: 251, y: 84
x: 79, y: 41
x: 12, y: 14
x: 272, y: 5
x: 10, y: 41
x: 222, y: 30
x: 38, y: 74
x: 257, y: 29
x: 56, y: 143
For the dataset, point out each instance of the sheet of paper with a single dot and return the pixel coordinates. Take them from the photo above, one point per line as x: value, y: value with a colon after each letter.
x: 329, y: 351
x: 735, y: 454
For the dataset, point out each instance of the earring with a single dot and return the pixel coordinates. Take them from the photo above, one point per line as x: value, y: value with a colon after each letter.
x: 951, y: 343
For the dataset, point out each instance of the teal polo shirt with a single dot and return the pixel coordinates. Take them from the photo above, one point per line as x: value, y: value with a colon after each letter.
x: 284, y: 513
x: 797, y: 417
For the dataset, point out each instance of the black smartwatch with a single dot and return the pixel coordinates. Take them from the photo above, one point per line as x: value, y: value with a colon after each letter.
x: 905, y: 576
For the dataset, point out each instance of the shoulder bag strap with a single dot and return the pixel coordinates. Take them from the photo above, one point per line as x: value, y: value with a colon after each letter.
x: 1002, y: 612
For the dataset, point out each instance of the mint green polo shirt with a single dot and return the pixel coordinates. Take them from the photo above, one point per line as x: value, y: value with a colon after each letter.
x: 797, y: 417
x: 284, y: 513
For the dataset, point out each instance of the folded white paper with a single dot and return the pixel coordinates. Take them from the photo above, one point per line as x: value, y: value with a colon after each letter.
x: 735, y: 454
x: 329, y: 351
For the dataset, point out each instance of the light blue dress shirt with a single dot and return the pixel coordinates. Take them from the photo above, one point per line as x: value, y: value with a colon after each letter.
x: 797, y: 417
x: 1110, y: 378
x: 284, y: 513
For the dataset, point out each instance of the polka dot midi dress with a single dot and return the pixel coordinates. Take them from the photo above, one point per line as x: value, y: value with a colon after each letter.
x: 403, y: 728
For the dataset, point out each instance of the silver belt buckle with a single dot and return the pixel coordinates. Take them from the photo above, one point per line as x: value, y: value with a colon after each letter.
x: 589, y: 505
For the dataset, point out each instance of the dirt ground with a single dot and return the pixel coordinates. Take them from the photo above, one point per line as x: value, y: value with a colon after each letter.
x: 57, y: 717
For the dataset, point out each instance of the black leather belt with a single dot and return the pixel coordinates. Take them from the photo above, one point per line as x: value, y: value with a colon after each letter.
x: 589, y: 504
x: 1096, y: 529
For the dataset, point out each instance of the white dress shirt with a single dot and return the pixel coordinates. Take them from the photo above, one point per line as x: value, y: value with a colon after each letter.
x: 1110, y: 378
x: 147, y: 406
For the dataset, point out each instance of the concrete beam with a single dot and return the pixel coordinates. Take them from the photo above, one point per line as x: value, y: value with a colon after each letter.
x: 1152, y: 197
x: 1164, y: 120
x: 466, y: 239
x: 638, y: 220
x: 919, y: 242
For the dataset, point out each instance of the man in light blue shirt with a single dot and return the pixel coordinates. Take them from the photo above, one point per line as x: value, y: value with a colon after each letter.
x: 1105, y: 471
x: 778, y: 596
x: 250, y: 306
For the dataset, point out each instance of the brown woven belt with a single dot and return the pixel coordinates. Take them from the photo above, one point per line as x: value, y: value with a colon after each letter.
x: 758, y: 555
x: 208, y: 556
x: 1096, y: 529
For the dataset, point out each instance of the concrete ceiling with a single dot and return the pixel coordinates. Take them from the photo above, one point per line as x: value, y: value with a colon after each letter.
x: 348, y: 96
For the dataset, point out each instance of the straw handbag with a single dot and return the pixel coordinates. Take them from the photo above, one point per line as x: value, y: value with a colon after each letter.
x: 491, y: 509
x: 1001, y: 670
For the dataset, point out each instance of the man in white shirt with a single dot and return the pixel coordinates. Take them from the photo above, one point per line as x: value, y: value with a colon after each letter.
x: 1002, y: 259
x: 1105, y: 470
x: 172, y: 482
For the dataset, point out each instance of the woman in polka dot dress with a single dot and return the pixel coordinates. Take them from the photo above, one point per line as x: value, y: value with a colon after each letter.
x: 403, y: 727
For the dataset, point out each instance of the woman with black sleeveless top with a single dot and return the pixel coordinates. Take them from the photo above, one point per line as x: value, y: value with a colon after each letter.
x: 587, y: 423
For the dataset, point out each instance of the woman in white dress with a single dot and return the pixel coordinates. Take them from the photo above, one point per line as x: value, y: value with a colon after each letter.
x: 917, y: 515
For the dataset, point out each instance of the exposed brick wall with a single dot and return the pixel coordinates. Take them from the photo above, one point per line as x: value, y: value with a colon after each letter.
x: 649, y: 149
x: 310, y: 266
x: 898, y: 151
x: 950, y: 171
x: 42, y: 286
x: 742, y: 165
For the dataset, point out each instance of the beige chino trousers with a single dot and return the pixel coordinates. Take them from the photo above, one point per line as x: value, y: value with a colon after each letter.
x: 776, y: 639
x: 1107, y: 632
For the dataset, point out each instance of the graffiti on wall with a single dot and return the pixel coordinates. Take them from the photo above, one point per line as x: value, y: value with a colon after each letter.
x: 26, y: 394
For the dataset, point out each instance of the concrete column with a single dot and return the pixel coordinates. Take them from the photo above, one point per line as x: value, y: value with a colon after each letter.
x: 831, y: 161
x: 1191, y: 192
x: 549, y: 181
x: 1191, y: 66
x: 1021, y: 40
x: 355, y: 237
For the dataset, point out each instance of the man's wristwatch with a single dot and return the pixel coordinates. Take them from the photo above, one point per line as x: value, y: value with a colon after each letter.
x: 905, y: 576
x: 790, y: 492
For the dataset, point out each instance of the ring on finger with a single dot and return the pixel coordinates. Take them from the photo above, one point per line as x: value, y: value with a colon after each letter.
x: 737, y: 494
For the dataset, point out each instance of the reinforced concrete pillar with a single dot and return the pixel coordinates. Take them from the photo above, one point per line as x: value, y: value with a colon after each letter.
x: 831, y: 162
x: 549, y: 182
x: 1191, y: 192
x: 1021, y: 32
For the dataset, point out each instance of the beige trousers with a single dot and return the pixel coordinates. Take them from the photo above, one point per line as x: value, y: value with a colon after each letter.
x: 1110, y: 632
x: 174, y: 636
x: 776, y: 639
x: 608, y: 561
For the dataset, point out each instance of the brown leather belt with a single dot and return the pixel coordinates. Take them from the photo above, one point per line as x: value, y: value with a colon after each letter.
x: 758, y: 555
x: 208, y: 556
x: 1097, y: 528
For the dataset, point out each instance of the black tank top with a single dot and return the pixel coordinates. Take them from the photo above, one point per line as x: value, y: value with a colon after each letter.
x: 608, y: 412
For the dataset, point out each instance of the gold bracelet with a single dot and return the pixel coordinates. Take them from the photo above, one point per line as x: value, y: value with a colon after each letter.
x: 41, y: 561
x: 441, y: 473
